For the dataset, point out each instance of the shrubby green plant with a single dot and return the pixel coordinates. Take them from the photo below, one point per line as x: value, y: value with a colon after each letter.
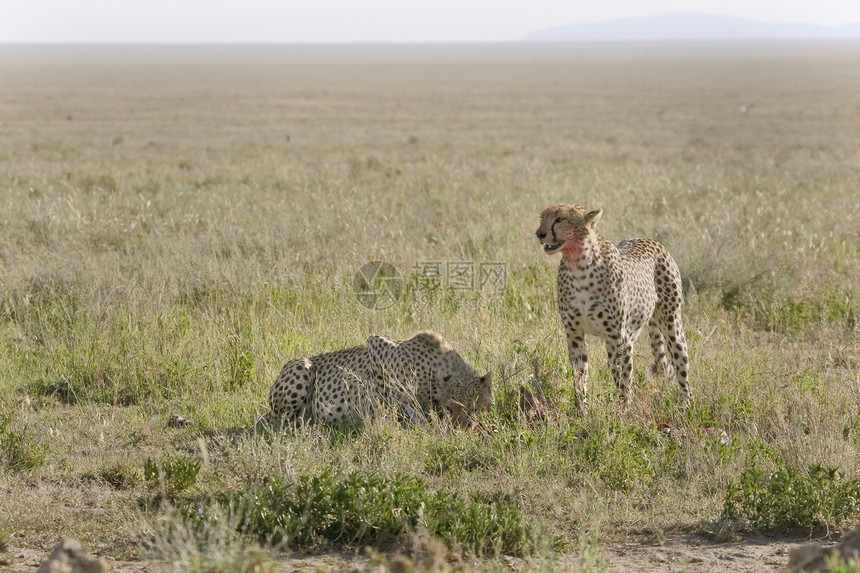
x: 789, y: 499
x: 171, y: 474
x: 359, y: 508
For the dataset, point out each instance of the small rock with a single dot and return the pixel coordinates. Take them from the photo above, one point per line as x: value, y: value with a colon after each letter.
x: 808, y: 558
x: 70, y: 557
x: 177, y: 421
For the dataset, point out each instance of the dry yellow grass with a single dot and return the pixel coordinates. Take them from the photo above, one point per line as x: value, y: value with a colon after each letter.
x: 162, y: 249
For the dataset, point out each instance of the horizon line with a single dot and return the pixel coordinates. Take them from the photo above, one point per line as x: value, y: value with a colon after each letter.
x: 518, y: 41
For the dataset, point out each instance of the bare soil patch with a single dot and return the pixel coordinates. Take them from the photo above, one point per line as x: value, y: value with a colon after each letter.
x: 675, y: 554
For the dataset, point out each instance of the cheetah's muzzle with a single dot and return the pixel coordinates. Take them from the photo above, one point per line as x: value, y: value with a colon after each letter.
x: 553, y: 248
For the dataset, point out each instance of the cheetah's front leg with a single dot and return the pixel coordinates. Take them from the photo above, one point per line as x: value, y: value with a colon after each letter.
x: 578, y: 355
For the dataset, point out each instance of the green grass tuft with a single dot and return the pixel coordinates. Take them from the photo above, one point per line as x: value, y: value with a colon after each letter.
x: 19, y: 451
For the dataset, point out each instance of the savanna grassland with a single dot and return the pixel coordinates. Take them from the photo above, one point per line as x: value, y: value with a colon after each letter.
x: 163, y: 250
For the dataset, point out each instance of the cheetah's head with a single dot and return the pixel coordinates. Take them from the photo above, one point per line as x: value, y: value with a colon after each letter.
x: 465, y: 394
x: 455, y: 385
x: 564, y: 228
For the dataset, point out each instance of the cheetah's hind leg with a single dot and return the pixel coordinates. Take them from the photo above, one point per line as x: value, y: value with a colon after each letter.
x: 661, y: 366
x: 290, y: 395
x: 670, y: 329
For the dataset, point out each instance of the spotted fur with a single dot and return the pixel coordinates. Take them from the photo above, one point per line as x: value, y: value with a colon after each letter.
x: 612, y: 293
x: 423, y: 373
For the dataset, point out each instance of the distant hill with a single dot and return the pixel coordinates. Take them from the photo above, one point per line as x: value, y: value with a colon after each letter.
x: 688, y: 27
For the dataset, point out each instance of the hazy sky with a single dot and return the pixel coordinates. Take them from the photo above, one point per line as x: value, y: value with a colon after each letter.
x: 227, y: 21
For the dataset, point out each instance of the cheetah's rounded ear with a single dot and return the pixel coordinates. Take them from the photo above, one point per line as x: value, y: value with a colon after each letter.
x: 593, y: 217
x: 487, y: 379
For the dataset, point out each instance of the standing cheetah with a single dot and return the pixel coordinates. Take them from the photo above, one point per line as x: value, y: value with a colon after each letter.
x: 418, y: 375
x: 612, y: 292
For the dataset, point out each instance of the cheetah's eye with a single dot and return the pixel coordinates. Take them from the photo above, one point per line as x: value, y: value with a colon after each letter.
x: 558, y: 220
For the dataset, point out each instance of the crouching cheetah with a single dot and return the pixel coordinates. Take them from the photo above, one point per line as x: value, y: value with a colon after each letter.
x: 418, y: 375
x: 612, y: 292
